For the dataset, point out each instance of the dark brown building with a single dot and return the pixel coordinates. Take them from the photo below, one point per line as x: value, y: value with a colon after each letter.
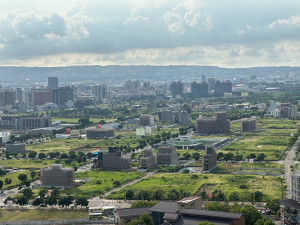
x: 209, y: 158
x: 98, y: 133
x: 217, y: 125
x: 248, y: 125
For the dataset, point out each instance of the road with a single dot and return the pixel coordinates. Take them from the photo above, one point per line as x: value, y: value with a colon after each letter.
x: 288, y: 162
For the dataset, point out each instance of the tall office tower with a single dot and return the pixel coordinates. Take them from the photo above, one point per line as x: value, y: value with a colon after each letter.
x: 199, y: 89
x: 211, y: 83
x: 203, y: 78
x: 223, y: 87
x: 62, y: 95
x: 19, y: 94
x: 100, y: 92
x: 41, y: 96
x: 176, y: 88
x: 7, y: 98
x: 52, y: 82
x: 28, y: 99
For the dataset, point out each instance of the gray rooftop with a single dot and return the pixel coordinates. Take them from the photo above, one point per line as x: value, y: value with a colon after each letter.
x: 210, y: 213
x: 165, y: 206
x: 133, y: 212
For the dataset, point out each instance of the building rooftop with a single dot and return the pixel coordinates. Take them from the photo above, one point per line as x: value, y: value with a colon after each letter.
x: 133, y: 212
x: 188, y: 200
x: 211, y: 214
x: 165, y: 206
x: 291, y: 203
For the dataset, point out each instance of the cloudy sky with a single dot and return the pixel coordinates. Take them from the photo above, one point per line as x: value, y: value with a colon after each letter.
x: 226, y: 33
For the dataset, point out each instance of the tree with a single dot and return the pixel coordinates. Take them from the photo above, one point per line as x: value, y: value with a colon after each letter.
x: 42, y: 155
x: 251, y: 214
x: 206, y: 223
x: 261, y: 157
x: 32, y: 174
x: 141, y: 204
x: 51, y: 200
x: 186, y: 156
x: 7, y: 181
x: 129, y: 194
x: 273, y: 205
x: 220, y: 155
x: 22, y: 200
x: 1, y: 184
x: 264, y: 221
x: 63, y: 156
x: 82, y: 201
x: 27, y: 192
x: 42, y: 193
x: 22, y: 177
x: 144, y: 219
x: 32, y: 154
x: 258, y: 196
x: 228, y: 156
x: 65, y: 201
x: 234, y: 196
x: 37, y: 201
x: 217, y: 207
x: 196, y: 156
x: 238, y: 158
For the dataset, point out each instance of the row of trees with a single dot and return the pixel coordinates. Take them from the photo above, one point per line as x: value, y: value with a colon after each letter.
x: 238, y: 157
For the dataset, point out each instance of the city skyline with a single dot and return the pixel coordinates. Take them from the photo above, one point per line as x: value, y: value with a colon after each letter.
x: 191, y: 32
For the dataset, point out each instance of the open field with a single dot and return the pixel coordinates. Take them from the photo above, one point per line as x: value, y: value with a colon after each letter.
x: 233, y: 168
x: 14, y: 177
x: 189, y: 184
x: 40, y: 214
x: 25, y: 163
x: 272, y: 139
x: 101, y: 182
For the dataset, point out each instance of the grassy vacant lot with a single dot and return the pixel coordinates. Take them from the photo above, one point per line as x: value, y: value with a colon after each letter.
x: 40, y: 214
x: 25, y: 163
x: 233, y: 168
x: 102, y: 182
x: 14, y: 177
x: 272, y: 139
x: 187, y: 183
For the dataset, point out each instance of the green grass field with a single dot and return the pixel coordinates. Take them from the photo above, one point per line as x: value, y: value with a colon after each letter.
x: 272, y: 139
x: 7, y: 215
x: 269, y: 186
x: 14, y: 177
x: 25, y: 163
x: 102, y: 182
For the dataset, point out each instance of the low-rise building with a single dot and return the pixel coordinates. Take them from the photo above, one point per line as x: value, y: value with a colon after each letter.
x: 57, y: 176
x: 146, y: 120
x: 248, y: 125
x: 167, y: 155
x: 148, y: 159
x: 112, y: 160
x: 218, y: 125
x: 98, y: 133
x: 16, y: 148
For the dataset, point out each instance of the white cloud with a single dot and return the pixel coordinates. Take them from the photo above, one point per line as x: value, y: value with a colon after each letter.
x: 149, y: 31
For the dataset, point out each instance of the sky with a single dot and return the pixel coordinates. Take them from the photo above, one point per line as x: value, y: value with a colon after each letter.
x: 225, y: 33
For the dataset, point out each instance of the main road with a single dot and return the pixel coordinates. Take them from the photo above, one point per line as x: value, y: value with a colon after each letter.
x: 288, y: 162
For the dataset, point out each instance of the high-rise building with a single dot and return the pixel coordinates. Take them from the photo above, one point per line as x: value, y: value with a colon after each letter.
x: 62, y: 95
x: 7, y: 97
x: 28, y: 100
x: 19, y: 94
x: 147, y: 160
x: 52, y: 82
x: 146, y: 119
x: 199, y: 89
x: 223, y: 87
x: 41, y: 96
x: 176, y: 88
x: 99, y: 91
x: 174, y: 117
x: 211, y: 83
x: 209, y: 158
